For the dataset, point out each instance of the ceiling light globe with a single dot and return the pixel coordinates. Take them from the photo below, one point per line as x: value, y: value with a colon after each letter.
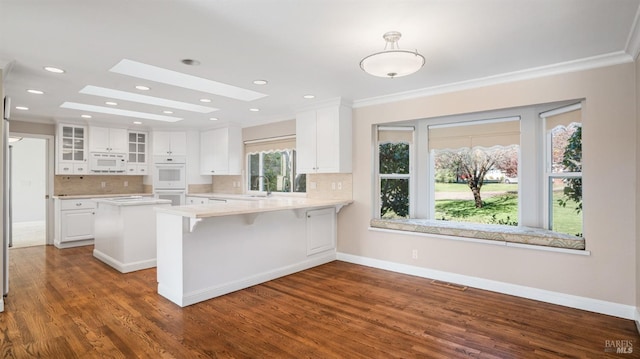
x: 392, y: 63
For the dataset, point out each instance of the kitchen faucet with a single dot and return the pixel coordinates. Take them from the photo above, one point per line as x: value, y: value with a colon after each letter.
x: 255, y: 184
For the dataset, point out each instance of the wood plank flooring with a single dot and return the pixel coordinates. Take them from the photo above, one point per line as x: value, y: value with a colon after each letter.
x: 66, y: 304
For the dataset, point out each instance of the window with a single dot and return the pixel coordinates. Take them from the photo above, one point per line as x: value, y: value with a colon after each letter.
x: 471, y: 162
x: 271, y: 166
x: 563, y: 169
x: 394, y: 164
x: 515, y: 167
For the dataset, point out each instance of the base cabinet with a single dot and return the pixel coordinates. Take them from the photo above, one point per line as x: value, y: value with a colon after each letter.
x: 321, y: 230
x: 74, y: 220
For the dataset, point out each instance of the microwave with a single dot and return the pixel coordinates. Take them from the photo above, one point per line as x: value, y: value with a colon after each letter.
x: 107, y: 162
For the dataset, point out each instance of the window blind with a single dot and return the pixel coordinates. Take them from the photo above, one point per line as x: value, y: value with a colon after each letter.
x: 270, y: 144
x: 388, y: 134
x: 504, y: 132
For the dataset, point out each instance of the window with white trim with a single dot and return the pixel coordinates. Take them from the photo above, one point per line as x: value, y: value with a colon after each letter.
x: 271, y: 166
x: 563, y: 169
x: 394, y: 165
x: 527, y: 158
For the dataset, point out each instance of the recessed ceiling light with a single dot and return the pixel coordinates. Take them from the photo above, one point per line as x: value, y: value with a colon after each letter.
x: 85, y: 116
x: 167, y: 112
x: 119, y: 112
x: 205, y: 100
x: 143, y: 88
x: 190, y: 62
x: 213, y: 119
x: 55, y: 70
x: 36, y: 92
x: 254, y: 109
x: 309, y: 96
x: 137, y: 123
x: 260, y: 82
x: 111, y: 103
x: 23, y: 108
x: 150, y: 100
x: 169, y: 77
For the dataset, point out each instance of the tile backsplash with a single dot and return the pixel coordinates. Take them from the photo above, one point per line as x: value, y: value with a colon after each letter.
x: 330, y: 186
x: 88, y: 185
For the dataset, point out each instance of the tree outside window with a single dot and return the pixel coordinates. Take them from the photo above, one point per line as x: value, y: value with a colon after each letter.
x: 274, y: 171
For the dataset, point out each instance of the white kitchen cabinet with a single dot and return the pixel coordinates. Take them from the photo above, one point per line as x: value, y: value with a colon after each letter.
x: 169, y: 143
x: 137, y: 155
x: 197, y: 200
x: 71, y: 149
x: 105, y: 139
x: 321, y: 230
x: 74, y: 220
x: 221, y: 151
x: 323, y: 139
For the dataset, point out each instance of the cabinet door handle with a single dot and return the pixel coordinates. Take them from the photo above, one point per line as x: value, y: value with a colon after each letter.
x: 78, y: 204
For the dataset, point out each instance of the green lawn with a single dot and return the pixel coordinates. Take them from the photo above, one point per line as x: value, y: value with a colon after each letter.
x: 488, y: 187
x: 502, y: 209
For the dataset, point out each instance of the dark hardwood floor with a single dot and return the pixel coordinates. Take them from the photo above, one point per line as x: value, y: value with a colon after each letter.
x: 66, y: 304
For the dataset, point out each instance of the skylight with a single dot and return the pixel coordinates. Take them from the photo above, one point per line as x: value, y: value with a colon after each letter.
x: 170, y: 77
x: 119, y: 112
x: 134, y: 97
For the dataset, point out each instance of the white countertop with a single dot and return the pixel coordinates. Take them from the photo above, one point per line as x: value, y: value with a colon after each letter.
x: 249, y: 206
x: 132, y: 201
x: 110, y: 195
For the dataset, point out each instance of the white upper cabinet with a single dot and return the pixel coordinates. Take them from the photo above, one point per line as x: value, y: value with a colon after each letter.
x: 221, y: 151
x: 169, y: 143
x: 323, y: 139
x: 71, y: 151
x: 138, y: 154
x: 104, y: 139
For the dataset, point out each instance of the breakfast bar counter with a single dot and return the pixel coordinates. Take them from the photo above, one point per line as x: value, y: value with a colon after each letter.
x: 209, y: 250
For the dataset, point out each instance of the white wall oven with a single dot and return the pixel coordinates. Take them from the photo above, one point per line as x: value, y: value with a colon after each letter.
x: 169, y: 173
x: 169, y: 179
x: 176, y: 196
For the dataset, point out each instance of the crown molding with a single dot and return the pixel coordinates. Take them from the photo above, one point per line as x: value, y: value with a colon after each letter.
x: 633, y: 41
x: 610, y: 59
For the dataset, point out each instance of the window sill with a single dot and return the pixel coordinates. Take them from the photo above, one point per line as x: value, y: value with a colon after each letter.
x: 519, y: 236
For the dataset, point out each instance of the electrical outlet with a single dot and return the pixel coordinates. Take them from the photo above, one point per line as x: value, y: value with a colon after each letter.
x: 340, y: 186
x: 312, y: 185
x: 333, y: 186
x: 414, y: 254
x: 103, y: 184
x: 126, y: 183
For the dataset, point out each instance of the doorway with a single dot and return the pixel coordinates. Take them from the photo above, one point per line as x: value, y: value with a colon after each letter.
x: 31, y: 184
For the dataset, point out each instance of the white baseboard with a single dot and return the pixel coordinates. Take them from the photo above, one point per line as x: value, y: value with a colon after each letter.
x: 567, y: 300
x: 1, y: 304
x: 124, y: 267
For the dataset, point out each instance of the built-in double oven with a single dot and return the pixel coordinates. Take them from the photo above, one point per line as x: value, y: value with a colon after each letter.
x: 169, y: 178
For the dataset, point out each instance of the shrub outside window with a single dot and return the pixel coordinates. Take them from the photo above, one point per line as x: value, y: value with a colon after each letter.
x: 274, y: 171
x: 394, y: 171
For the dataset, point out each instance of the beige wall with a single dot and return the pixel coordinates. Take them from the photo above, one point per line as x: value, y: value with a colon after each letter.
x: 609, y: 140
x: 32, y: 128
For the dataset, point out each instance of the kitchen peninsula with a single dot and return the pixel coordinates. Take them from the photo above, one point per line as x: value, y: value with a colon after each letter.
x: 208, y: 250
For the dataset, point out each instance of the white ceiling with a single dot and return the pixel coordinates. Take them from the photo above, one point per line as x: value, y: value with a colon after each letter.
x: 300, y: 47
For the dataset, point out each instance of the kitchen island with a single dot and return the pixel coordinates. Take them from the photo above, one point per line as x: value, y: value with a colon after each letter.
x: 208, y: 250
x: 125, y: 232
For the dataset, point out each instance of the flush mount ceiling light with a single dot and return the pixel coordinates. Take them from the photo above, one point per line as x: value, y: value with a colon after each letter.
x: 392, y: 61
